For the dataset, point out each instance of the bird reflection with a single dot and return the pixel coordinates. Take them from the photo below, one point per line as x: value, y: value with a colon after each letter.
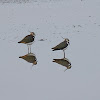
x: 64, y: 62
x: 30, y: 57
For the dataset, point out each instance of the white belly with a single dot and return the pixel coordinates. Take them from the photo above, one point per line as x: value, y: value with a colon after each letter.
x: 30, y: 43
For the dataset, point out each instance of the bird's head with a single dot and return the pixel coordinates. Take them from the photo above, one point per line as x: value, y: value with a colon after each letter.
x: 69, y: 67
x: 67, y: 40
x: 32, y: 33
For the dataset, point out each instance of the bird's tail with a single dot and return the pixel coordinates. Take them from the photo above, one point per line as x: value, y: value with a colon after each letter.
x: 19, y: 42
x: 54, y: 60
x: 53, y: 49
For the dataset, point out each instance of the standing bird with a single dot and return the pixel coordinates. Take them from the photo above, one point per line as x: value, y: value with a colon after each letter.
x: 29, y: 39
x: 62, y: 46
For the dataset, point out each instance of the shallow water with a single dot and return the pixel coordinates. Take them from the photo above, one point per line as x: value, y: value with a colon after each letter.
x: 50, y: 21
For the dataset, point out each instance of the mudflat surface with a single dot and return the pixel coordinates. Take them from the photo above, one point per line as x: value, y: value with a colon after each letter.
x: 78, y: 20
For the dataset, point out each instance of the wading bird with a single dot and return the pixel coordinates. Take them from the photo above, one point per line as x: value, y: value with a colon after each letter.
x: 62, y: 46
x: 29, y: 39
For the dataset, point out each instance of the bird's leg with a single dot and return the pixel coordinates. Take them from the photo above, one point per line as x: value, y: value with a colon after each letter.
x: 64, y: 53
x: 28, y: 48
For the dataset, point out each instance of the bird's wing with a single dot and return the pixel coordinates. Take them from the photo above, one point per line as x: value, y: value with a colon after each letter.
x: 60, y: 46
x: 27, y: 39
x: 61, y: 62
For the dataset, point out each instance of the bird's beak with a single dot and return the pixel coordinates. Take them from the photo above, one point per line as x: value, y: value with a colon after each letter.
x: 62, y: 37
x: 65, y: 69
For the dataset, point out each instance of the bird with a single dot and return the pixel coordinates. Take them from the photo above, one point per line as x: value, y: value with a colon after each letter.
x: 29, y: 39
x: 64, y: 62
x: 62, y: 46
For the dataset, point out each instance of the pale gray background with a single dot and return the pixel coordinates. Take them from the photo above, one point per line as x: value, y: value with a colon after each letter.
x: 50, y: 20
